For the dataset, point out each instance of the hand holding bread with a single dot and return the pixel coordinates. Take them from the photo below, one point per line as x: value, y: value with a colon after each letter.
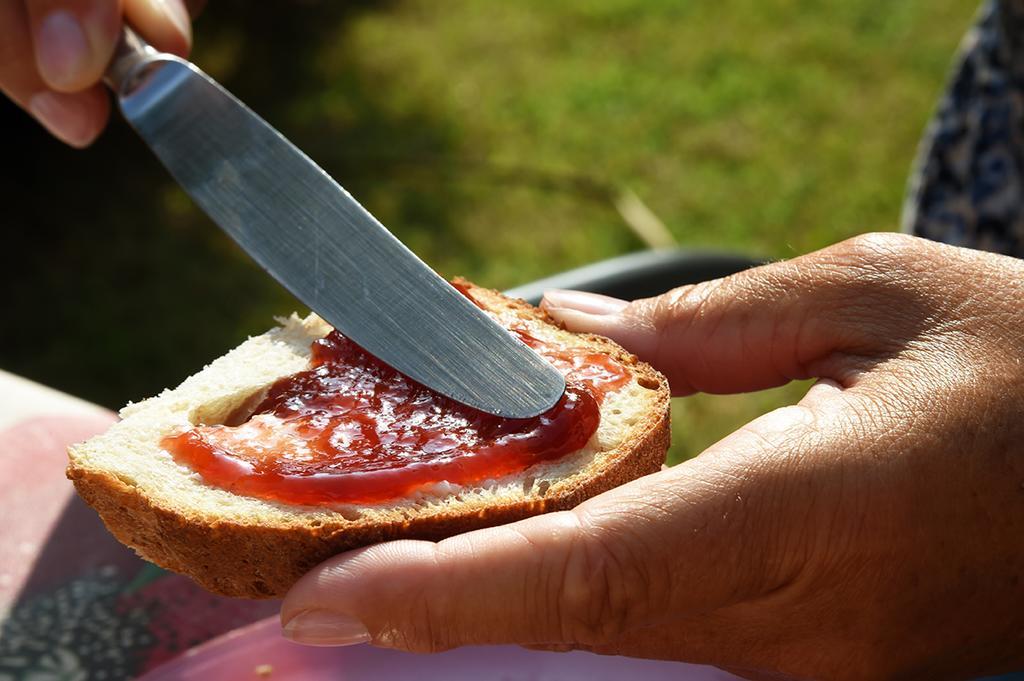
x: 871, y: 531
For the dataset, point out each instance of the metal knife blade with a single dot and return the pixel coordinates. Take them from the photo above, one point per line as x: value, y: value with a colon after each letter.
x: 315, y: 239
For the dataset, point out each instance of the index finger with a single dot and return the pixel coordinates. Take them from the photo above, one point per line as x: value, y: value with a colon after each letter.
x: 817, y: 316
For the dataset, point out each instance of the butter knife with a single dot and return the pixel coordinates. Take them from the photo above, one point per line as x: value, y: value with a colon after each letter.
x: 311, y: 235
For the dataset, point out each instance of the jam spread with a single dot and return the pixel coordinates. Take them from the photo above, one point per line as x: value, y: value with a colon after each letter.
x: 351, y: 429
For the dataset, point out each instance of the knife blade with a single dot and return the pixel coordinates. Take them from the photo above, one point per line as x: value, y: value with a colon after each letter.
x: 311, y: 235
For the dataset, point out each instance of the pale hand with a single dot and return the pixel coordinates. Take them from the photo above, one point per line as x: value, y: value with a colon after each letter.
x: 53, y: 54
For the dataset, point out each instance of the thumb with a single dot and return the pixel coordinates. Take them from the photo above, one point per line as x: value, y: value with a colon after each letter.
x: 803, y: 318
x: 623, y: 560
x: 424, y: 596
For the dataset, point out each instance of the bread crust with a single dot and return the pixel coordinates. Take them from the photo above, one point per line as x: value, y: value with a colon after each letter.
x: 262, y: 560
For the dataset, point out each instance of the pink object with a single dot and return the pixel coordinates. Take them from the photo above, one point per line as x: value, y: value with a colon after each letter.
x: 258, y: 652
x: 36, y: 496
x: 74, y: 602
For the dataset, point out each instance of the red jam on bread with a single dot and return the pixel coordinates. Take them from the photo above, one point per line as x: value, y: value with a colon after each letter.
x: 351, y: 429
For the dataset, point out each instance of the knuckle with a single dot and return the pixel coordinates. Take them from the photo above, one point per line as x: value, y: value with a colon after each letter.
x: 661, y: 312
x: 602, y: 587
x: 878, y: 264
x: 693, y: 312
x: 416, y: 614
x: 422, y: 629
x: 890, y: 248
x: 874, y: 274
x: 682, y: 306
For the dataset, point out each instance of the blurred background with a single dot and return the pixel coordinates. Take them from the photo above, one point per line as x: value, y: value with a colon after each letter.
x: 494, y: 139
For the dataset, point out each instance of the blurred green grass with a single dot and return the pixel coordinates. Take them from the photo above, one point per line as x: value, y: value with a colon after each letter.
x: 478, y: 132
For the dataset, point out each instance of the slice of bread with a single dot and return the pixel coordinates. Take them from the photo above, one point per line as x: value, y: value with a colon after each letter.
x: 243, y: 546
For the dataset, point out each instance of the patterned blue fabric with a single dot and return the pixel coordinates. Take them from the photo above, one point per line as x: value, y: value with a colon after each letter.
x: 968, y: 184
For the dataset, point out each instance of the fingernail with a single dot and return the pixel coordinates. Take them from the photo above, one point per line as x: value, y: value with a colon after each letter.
x: 325, y: 628
x: 61, y: 115
x: 593, y: 303
x: 177, y: 14
x: 62, y: 48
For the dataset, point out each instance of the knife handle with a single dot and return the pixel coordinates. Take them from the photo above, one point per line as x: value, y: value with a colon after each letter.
x: 132, y: 57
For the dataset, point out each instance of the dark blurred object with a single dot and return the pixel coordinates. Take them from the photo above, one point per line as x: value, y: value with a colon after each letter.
x: 115, y: 287
x: 639, y: 275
